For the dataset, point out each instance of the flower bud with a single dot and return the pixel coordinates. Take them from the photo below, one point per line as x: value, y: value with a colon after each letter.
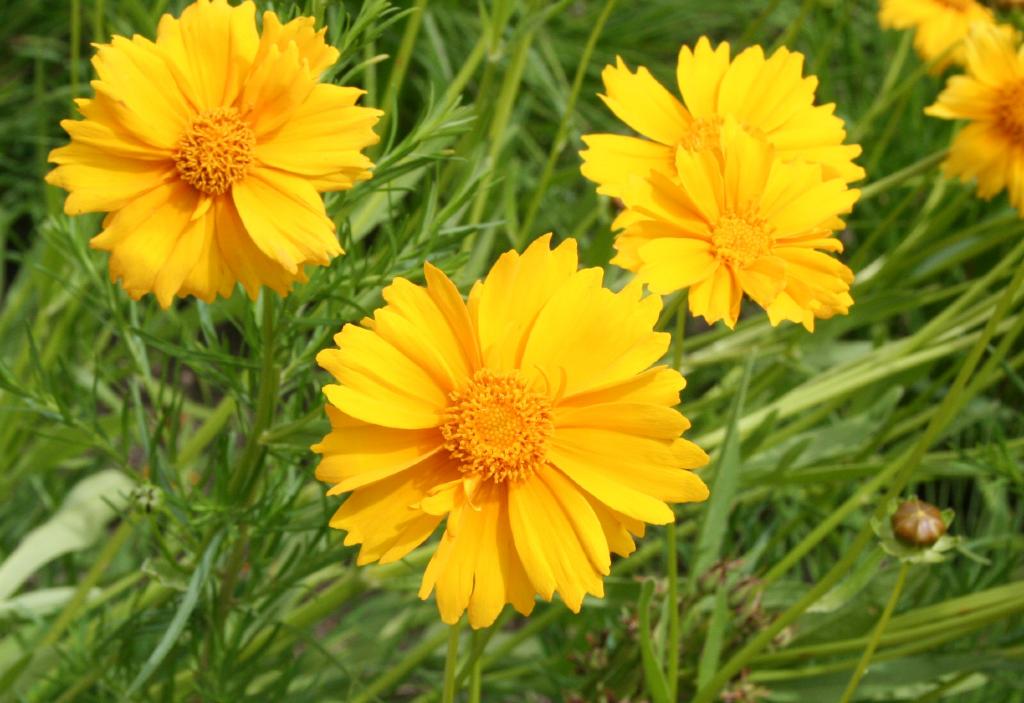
x: 918, y: 523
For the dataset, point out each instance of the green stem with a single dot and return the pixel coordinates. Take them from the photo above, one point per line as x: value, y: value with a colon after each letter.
x: 450, y: 663
x: 76, y: 44
x: 245, y: 479
x: 191, y: 449
x: 672, y: 648
x: 893, y: 179
x: 525, y: 232
x: 96, y: 571
x: 397, y: 77
x: 390, y: 678
x: 876, y: 635
x: 476, y: 669
x: 479, y: 243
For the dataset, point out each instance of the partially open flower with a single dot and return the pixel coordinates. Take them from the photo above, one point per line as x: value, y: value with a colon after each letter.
x: 918, y: 523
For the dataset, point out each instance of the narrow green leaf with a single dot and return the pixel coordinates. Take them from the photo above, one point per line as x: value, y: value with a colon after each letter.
x: 727, y: 475
x: 657, y: 686
x: 177, y: 624
x: 712, y: 651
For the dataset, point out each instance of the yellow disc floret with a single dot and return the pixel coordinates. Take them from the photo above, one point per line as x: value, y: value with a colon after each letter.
x: 215, y: 151
x: 741, y: 238
x: 496, y: 427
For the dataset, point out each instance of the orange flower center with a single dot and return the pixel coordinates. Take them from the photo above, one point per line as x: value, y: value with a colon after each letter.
x: 1010, y: 111
x: 215, y: 151
x: 702, y: 134
x: 741, y: 238
x: 496, y: 427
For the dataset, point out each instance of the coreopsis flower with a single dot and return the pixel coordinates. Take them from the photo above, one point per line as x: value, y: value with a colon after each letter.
x: 208, y: 148
x: 990, y: 149
x: 939, y: 26
x: 748, y: 222
x: 769, y: 97
x: 528, y: 419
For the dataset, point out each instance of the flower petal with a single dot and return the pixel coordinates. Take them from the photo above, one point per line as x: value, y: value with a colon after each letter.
x: 323, y: 137
x: 640, y: 101
x: 610, y: 159
x: 285, y: 218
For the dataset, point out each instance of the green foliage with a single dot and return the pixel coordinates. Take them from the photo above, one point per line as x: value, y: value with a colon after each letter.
x: 220, y: 580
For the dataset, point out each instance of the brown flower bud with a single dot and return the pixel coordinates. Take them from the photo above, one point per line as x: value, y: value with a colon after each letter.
x: 918, y: 523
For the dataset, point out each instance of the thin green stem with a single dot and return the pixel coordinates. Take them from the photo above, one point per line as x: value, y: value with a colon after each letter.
x: 95, y: 573
x: 245, y: 479
x: 479, y: 244
x: 206, y: 433
x: 876, y: 635
x: 401, y: 66
x: 76, y: 44
x: 451, y: 663
x: 672, y: 648
x: 558, y: 145
x: 894, y: 179
x: 476, y: 669
x: 391, y: 678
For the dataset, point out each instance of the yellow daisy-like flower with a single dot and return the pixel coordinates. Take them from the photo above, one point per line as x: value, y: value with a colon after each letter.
x: 770, y: 97
x: 528, y: 418
x: 208, y: 149
x: 939, y: 25
x: 747, y: 222
x: 991, y: 95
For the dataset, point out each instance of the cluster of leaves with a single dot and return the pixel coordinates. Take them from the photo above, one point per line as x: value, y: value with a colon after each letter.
x: 137, y: 565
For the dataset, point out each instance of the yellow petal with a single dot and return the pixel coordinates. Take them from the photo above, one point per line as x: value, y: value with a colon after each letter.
x: 365, y: 354
x: 285, y: 218
x: 137, y: 80
x: 313, y: 49
x: 548, y: 544
x: 699, y: 73
x: 657, y: 386
x: 275, y: 89
x: 513, y: 293
x: 717, y: 297
x: 569, y: 349
x: 672, y: 264
x: 213, y: 46
x: 610, y: 159
x: 323, y: 138
x: 143, y: 235
x: 356, y: 453
x: 243, y: 259
x: 640, y: 101
x: 380, y: 517
x: 611, y: 486
x: 99, y: 179
x: 641, y: 419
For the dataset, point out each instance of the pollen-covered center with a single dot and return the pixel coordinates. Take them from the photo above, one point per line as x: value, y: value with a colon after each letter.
x: 1010, y: 111
x: 741, y: 238
x: 215, y: 151
x: 496, y: 427
x: 958, y: 5
x: 702, y: 134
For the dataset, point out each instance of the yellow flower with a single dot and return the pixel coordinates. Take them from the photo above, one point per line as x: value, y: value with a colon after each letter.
x: 939, y: 25
x: 747, y: 222
x: 991, y: 95
x: 208, y: 149
x: 529, y: 419
x: 769, y: 97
